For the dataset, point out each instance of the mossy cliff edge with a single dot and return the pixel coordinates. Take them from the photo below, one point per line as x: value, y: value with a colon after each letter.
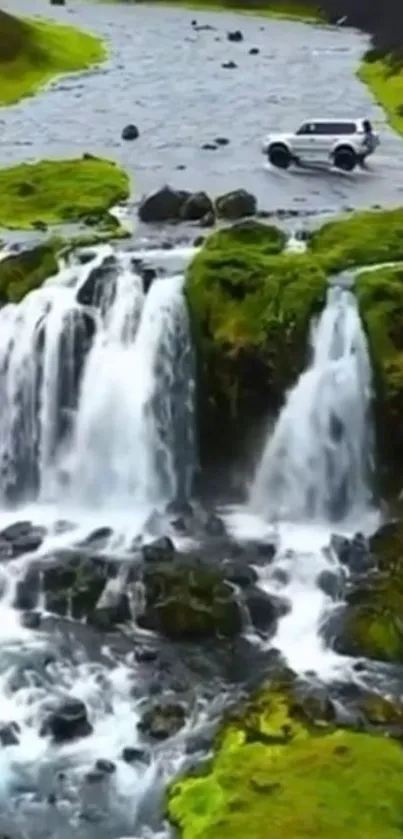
x: 282, y: 768
x: 251, y: 305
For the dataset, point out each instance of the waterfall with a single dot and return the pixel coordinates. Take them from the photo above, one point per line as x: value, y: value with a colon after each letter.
x: 317, y: 463
x: 97, y: 388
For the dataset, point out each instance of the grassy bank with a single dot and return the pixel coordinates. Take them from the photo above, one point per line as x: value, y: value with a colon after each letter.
x: 33, y: 52
x: 60, y: 191
x: 386, y: 84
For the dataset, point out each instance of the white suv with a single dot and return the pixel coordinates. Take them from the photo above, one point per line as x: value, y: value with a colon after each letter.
x: 341, y: 143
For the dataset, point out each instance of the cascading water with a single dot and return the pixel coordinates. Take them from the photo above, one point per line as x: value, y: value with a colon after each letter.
x: 315, y: 472
x: 97, y: 387
x: 318, y: 461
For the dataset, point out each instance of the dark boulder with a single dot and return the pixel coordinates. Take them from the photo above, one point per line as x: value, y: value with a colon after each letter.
x: 254, y: 51
x: 130, y: 754
x: 235, y: 36
x: 189, y: 599
x: 112, y: 610
x: 162, y: 720
x: 27, y: 591
x: 236, y: 204
x: 196, y: 207
x: 222, y: 141
x: 163, y: 206
x: 229, y: 65
x: 214, y: 526
x: 73, y: 584
x: 130, y: 132
x: 68, y: 721
x: 23, y: 537
x: 264, y: 609
x: 239, y: 573
x: 332, y: 583
x: 354, y: 553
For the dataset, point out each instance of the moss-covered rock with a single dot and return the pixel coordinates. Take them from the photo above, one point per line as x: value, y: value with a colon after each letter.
x: 380, y: 296
x: 363, y: 238
x: 250, y: 307
x: 57, y: 191
x: 189, y: 599
x: 277, y: 775
x: 34, y: 51
x: 373, y: 622
x: 25, y: 271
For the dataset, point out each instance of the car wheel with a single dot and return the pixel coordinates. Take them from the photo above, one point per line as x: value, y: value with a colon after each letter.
x: 279, y: 156
x: 345, y: 158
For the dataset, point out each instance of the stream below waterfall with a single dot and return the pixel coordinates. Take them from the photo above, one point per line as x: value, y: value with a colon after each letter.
x: 97, y: 381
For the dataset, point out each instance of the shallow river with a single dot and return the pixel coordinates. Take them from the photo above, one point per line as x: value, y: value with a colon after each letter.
x: 168, y: 79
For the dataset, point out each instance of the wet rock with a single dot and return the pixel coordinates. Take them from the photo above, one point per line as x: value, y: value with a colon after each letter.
x: 112, y: 610
x: 198, y: 743
x: 107, y: 767
x: 235, y: 36
x: 145, y: 655
x: 6, y: 550
x: 23, y: 536
x: 239, y: 574
x: 148, y: 276
x: 67, y: 722
x: 163, y: 720
x: 100, y: 278
x: 254, y: 51
x: 160, y: 550
x: 198, y: 241
x: 263, y: 608
x: 27, y: 591
x: 163, y: 206
x: 132, y: 755
x: 98, y: 538
x: 235, y: 205
x: 222, y: 141
x: 196, y: 207
x: 229, y: 65
x: 57, y: 2
x: 73, y: 585
x: 353, y: 552
x: 279, y: 575
x: 332, y: 584
x: 9, y: 734
x: 130, y: 132
x: 209, y: 147
x: 208, y: 220
x: 312, y: 705
x: 188, y: 598
x: 31, y: 620
x: 214, y: 526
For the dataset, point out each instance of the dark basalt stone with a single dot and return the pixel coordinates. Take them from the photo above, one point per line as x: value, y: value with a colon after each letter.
x: 67, y: 722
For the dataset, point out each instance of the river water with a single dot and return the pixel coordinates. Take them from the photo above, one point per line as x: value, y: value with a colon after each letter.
x: 168, y: 79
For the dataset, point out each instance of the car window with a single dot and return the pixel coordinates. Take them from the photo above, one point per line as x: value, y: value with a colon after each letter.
x: 306, y: 128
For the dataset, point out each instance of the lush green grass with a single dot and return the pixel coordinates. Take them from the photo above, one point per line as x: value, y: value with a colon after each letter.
x: 280, y: 771
x: 56, y: 191
x: 294, y: 9
x: 386, y: 84
x: 363, y: 238
x: 32, y: 52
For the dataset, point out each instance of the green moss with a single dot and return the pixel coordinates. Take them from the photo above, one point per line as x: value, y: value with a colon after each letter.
x: 363, y: 238
x: 250, y: 312
x: 322, y: 783
x: 386, y: 83
x: 380, y: 296
x: 267, y: 239
x: 56, y: 191
x: 23, y: 272
x: 33, y: 52
x: 372, y: 625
